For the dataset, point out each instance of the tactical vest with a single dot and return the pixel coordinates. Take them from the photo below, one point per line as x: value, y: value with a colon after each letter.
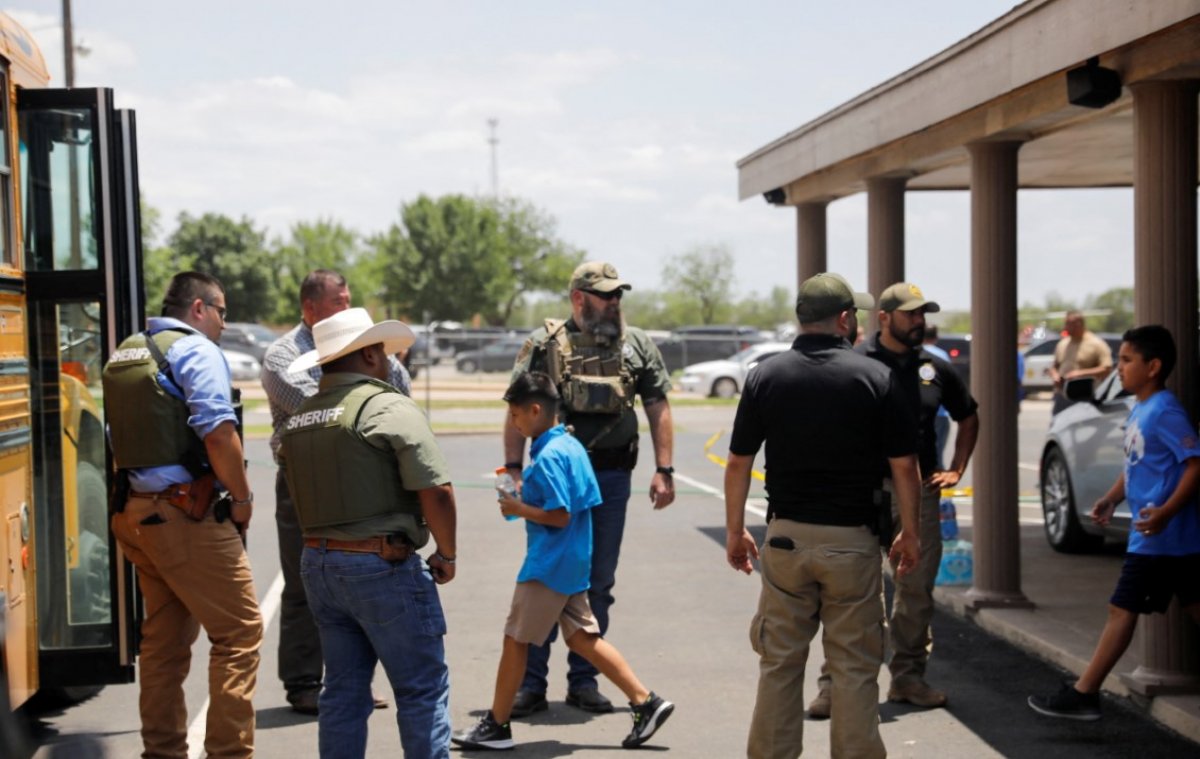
x: 335, y: 476
x: 590, y: 375
x: 148, y: 426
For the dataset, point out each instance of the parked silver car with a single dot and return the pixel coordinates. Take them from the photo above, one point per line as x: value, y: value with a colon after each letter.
x: 724, y: 378
x: 1083, y: 456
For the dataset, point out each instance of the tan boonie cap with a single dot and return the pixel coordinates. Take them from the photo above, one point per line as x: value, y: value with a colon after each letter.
x: 828, y: 294
x: 905, y: 296
x: 598, y: 276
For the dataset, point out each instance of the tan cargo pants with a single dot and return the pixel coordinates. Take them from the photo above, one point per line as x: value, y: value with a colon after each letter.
x: 831, y: 577
x: 192, y: 575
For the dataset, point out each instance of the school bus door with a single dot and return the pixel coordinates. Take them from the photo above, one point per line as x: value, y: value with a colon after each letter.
x: 82, y: 246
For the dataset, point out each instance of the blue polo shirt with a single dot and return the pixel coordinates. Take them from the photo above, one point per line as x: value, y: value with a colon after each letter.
x: 559, y: 476
x: 1159, y: 439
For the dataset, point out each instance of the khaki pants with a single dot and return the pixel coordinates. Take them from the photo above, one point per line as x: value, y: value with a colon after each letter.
x: 910, y: 637
x: 833, y: 578
x: 192, y: 575
x: 912, y: 606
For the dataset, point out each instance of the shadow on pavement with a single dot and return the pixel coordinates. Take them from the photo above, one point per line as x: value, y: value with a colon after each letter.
x: 280, y: 716
x: 988, y: 681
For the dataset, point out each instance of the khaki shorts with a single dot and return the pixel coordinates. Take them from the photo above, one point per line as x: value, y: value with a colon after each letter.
x: 535, y: 609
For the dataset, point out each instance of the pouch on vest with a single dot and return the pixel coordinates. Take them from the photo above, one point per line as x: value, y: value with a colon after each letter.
x: 590, y: 379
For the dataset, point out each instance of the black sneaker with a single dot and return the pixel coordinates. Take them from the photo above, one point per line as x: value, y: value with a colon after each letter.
x: 647, y: 718
x: 487, y: 734
x: 1068, y: 703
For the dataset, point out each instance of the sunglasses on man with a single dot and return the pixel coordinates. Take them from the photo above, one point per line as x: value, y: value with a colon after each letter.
x: 610, y: 295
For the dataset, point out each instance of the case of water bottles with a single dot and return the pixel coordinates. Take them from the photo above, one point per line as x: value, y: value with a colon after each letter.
x: 958, y: 563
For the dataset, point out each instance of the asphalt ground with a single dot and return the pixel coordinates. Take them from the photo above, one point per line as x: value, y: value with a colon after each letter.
x: 681, y: 619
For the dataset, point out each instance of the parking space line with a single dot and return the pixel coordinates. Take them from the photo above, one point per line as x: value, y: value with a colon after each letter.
x: 267, y: 608
x: 753, y: 505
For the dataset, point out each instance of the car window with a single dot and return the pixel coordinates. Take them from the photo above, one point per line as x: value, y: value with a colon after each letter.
x: 1042, y: 349
x: 1110, y: 389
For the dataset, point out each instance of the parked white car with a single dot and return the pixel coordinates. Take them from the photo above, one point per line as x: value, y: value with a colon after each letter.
x: 242, y: 366
x: 724, y: 378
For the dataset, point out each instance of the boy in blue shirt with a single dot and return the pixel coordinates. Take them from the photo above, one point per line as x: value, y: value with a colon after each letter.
x: 1162, y: 472
x: 559, y: 490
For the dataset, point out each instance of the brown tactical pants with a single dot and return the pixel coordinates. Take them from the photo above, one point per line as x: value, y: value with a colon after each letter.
x: 832, y: 578
x: 192, y: 574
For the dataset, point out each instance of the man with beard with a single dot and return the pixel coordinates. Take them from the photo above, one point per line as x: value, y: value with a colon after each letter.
x: 598, y: 365
x: 928, y: 382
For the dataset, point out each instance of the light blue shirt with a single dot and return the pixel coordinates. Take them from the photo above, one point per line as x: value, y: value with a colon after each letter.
x: 204, y: 385
x: 1159, y: 439
x: 559, y: 476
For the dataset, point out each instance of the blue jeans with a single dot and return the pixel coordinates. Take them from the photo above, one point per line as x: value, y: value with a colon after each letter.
x: 369, y: 610
x: 608, y: 526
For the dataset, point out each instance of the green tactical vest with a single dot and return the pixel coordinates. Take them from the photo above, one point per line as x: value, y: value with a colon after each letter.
x: 590, y: 375
x: 148, y: 425
x: 334, y: 475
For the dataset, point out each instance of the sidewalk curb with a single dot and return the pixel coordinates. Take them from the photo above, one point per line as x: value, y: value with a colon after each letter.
x: 1024, y: 629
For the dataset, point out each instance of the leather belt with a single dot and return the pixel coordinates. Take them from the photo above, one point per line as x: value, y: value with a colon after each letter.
x: 381, y: 545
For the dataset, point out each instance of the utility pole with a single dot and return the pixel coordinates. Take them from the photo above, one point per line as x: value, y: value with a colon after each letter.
x: 68, y: 45
x: 493, y: 141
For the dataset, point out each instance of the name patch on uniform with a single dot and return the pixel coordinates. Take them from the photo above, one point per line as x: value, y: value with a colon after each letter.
x: 130, y: 354
x: 315, y: 418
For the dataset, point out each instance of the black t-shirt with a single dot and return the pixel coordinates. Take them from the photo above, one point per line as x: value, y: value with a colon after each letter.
x: 827, y: 416
x: 929, y: 382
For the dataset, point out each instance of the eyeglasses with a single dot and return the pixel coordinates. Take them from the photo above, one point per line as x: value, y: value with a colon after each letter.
x: 221, y: 310
x: 611, y: 295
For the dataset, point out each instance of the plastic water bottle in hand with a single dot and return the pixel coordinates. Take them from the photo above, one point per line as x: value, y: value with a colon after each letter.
x: 949, y: 519
x: 506, y: 486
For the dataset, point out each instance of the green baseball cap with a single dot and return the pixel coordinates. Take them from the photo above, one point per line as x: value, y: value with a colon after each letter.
x: 598, y: 276
x: 828, y: 294
x: 905, y: 296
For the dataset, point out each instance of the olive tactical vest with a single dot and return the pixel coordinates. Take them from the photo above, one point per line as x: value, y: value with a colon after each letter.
x: 335, y: 476
x: 148, y: 426
x: 590, y: 375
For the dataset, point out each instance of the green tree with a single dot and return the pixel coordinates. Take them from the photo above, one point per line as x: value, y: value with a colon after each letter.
x: 235, y: 253
x: 454, y: 257
x: 704, y: 275
x: 1118, y: 301
x: 159, y: 262
x: 779, y: 307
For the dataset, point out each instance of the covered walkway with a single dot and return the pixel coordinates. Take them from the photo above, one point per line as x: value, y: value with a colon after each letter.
x: 994, y: 114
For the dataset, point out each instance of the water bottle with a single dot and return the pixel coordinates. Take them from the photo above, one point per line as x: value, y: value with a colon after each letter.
x: 949, y: 519
x: 506, y: 485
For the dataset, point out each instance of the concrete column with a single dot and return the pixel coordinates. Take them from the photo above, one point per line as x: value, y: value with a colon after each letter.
x: 1164, y: 281
x: 885, y: 237
x: 996, y: 531
x: 810, y: 240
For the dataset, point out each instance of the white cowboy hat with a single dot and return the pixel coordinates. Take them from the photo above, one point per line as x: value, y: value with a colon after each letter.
x: 348, y: 331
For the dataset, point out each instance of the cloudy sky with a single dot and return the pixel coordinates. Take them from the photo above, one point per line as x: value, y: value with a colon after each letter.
x: 622, y: 119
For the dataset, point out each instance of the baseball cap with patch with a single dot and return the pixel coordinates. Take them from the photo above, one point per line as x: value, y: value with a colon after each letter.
x: 828, y: 294
x: 905, y: 296
x: 598, y: 276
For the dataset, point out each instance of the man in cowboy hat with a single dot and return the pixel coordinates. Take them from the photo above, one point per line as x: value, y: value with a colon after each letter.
x: 370, y: 487
x: 323, y: 293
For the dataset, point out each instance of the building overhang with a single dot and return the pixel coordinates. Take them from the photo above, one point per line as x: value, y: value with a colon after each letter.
x: 1008, y: 81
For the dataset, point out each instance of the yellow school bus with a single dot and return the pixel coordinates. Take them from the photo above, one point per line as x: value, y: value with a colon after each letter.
x: 70, y: 291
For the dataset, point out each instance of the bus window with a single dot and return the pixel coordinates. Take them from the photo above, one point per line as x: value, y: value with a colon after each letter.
x: 57, y: 161
x: 6, y: 220
x: 74, y: 599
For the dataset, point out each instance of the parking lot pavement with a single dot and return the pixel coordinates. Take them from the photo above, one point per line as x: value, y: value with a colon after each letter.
x: 681, y: 618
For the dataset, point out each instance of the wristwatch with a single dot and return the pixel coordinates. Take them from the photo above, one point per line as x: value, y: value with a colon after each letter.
x: 667, y: 470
